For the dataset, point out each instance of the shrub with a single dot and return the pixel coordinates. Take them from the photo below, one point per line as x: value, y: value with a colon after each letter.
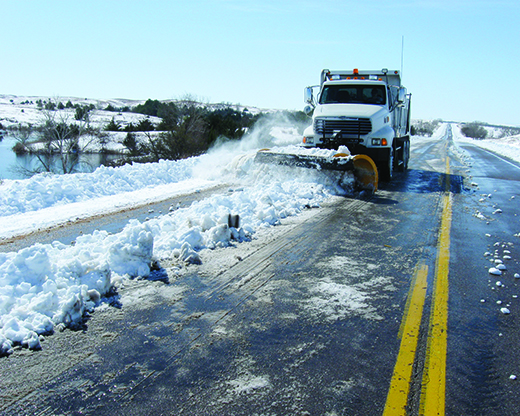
x: 424, y: 128
x: 149, y: 108
x: 474, y: 130
x: 82, y: 112
x: 509, y: 131
x: 50, y: 106
x: 129, y: 127
x: 131, y: 144
x: 145, y: 125
x: 188, y: 127
x: 113, y: 126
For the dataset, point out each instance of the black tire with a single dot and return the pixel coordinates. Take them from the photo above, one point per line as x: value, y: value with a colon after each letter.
x: 403, y: 155
x: 406, y: 154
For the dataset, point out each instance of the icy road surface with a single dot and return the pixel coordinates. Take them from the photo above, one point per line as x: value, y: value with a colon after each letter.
x: 302, y: 317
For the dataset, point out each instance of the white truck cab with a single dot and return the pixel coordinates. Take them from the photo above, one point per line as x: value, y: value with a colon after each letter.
x: 367, y: 111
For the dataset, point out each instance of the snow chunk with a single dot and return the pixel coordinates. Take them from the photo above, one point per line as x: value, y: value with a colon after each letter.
x: 32, y: 341
x: 6, y: 346
x: 189, y: 255
x: 130, y: 251
x: 480, y: 216
x: 495, y: 271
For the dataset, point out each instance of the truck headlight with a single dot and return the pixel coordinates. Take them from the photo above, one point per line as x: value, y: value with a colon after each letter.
x: 379, y: 142
x: 308, y: 140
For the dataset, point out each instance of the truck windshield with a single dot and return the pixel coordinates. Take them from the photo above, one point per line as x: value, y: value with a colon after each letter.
x: 355, y: 94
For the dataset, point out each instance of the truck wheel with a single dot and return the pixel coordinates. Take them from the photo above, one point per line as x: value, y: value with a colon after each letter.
x: 403, y: 155
x: 406, y: 154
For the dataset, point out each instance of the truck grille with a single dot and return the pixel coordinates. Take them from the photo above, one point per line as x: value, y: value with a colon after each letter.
x: 350, y: 126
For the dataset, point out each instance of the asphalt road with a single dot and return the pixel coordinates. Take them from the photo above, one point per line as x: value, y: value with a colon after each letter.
x: 361, y: 307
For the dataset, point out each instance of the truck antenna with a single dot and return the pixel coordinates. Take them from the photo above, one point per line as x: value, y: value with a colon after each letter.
x: 402, y: 55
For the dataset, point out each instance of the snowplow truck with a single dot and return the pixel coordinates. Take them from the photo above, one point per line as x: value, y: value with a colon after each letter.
x: 367, y: 111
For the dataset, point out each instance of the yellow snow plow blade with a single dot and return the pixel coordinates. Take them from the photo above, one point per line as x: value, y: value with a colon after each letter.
x: 365, y: 171
x: 362, y: 166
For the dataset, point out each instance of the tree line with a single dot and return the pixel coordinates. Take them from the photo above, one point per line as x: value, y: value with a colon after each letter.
x: 187, y: 128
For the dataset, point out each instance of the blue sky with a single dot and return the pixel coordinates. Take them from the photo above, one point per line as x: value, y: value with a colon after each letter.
x: 460, y: 56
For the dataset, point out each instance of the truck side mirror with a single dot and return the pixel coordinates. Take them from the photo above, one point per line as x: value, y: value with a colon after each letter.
x: 402, y: 95
x: 308, y: 97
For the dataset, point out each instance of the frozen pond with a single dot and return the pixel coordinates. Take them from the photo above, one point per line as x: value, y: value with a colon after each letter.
x: 13, y: 166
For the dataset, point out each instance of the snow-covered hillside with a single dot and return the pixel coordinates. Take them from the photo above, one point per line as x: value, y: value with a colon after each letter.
x: 15, y: 110
x: 22, y: 109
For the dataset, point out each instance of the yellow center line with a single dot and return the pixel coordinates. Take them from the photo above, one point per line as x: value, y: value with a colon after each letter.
x: 397, y: 398
x: 433, y: 392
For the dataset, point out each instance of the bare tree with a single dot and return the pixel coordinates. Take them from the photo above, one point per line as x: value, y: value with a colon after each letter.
x: 58, y: 140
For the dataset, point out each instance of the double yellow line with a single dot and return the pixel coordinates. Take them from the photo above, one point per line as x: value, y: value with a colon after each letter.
x: 433, y: 391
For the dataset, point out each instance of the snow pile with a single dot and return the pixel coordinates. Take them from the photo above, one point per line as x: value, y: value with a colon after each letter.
x: 206, y: 223
x: 47, y: 190
x: 45, y: 286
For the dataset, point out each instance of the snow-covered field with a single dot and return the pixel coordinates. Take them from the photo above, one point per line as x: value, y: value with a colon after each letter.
x: 506, y: 146
x: 45, y: 286
x: 16, y: 110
